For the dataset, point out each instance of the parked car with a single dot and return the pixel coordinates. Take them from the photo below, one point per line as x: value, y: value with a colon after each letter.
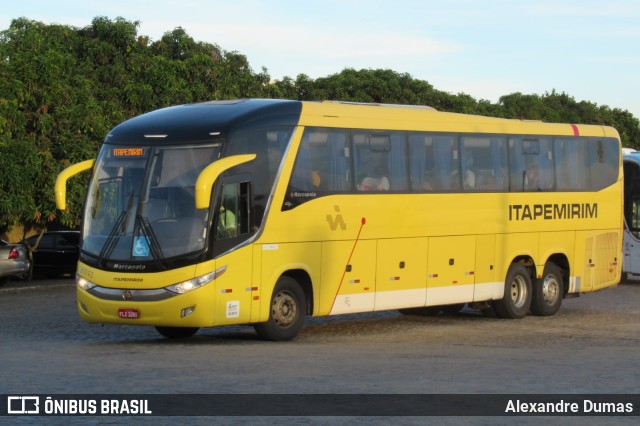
x: 13, y: 261
x: 56, y: 253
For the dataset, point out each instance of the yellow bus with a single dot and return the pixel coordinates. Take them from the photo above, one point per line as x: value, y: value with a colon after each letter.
x: 264, y: 211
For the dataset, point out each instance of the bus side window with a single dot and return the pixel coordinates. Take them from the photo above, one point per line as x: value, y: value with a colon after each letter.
x: 572, y: 169
x: 604, y: 160
x: 371, y: 153
x: 233, y: 211
x: 433, y: 162
x: 484, y: 163
x: 532, y: 164
x: 322, y: 163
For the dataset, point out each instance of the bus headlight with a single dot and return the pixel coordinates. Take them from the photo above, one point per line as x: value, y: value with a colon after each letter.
x: 84, y: 283
x: 192, y: 284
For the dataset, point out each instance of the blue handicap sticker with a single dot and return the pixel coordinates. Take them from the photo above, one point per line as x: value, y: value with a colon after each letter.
x: 140, y: 247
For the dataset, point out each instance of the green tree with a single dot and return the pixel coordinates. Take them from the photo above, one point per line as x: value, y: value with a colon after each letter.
x: 62, y: 89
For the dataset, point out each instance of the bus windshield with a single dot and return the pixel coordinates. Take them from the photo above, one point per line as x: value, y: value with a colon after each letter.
x: 140, y: 205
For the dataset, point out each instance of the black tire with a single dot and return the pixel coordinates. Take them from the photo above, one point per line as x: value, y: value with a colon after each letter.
x: 548, y: 292
x: 517, y: 294
x: 177, y: 332
x: 3, y: 281
x: 287, y: 313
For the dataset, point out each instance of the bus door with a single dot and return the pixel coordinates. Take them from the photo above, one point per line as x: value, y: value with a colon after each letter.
x: 631, y: 246
x: 451, y: 269
x: 231, y: 227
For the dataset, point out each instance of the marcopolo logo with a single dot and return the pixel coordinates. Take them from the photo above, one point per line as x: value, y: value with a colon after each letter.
x: 23, y: 405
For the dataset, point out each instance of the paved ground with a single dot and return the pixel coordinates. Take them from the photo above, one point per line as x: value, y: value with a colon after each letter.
x: 590, y: 346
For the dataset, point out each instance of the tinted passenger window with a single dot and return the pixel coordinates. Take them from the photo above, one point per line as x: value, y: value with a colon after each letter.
x: 531, y: 164
x: 322, y: 163
x: 380, y: 161
x: 484, y: 163
x: 572, y: 164
x: 604, y: 162
x: 434, y: 162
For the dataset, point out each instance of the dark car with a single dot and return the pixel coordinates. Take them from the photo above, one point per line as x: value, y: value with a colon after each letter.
x: 56, y: 253
x: 13, y: 261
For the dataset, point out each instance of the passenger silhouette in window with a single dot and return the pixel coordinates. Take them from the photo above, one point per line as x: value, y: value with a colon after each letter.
x: 469, y: 179
x: 532, y: 176
x: 374, y: 184
x: 377, y: 182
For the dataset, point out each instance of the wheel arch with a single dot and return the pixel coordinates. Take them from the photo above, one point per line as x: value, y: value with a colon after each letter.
x: 527, y: 262
x: 304, y: 280
x: 562, y: 262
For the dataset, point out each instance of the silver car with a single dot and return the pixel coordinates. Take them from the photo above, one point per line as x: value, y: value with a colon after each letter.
x: 13, y: 261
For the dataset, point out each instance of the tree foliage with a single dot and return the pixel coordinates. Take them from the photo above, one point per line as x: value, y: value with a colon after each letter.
x: 63, y: 88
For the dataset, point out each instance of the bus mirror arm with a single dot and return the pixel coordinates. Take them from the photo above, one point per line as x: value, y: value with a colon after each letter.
x: 208, y: 177
x: 64, y: 176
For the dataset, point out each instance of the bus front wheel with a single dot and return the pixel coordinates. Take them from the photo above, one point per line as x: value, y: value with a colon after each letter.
x: 548, y: 292
x: 177, y: 332
x: 517, y: 294
x: 286, y: 314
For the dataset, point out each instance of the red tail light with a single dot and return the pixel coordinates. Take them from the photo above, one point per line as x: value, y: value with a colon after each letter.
x: 13, y: 254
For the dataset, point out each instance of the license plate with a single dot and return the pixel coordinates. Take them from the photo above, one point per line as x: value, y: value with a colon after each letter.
x: 126, y: 313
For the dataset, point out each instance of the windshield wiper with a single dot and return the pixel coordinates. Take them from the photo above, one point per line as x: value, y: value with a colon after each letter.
x: 156, y: 251
x: 118, y: 229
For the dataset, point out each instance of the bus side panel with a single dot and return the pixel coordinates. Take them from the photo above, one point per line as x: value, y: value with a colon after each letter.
x: 348, y: 277
x: 513, y: 246
x: 488, y: 285
x: 401, y: 273
x: 256, y: 282
x: 556, y: 243
x: 451, y: 269
x: 598, y: 260
x: 277, y: 259
x: 233, y: 289
x: 608, y: 251
x: 553, y: 243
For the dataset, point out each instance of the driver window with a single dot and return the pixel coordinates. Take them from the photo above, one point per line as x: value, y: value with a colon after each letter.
x: 233, y: 213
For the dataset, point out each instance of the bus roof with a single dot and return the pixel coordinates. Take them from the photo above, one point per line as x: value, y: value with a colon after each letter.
x: 202, y: 121
x: 211, y: 120
x: 406, y: 117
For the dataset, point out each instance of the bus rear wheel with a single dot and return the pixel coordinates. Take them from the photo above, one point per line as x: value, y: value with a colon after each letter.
x: 548, y: 292
x: 177, y: 332
x: 517, y: 294
x: 286, y: 314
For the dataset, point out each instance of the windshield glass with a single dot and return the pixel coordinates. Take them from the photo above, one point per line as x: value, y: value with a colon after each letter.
x: 141, y: 206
